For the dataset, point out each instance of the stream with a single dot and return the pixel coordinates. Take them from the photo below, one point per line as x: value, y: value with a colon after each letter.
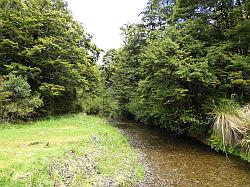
x: 178, y: 161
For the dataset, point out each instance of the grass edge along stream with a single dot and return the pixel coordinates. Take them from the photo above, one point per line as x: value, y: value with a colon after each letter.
x: 70, y: 150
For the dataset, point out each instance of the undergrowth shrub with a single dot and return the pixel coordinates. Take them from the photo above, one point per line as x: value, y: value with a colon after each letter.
x: 16, y: 100
x: 103, y: 105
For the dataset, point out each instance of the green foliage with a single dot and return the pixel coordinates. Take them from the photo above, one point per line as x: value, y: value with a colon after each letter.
x: 92, y: 105
x: 40, y: 40
x: 16, y: 101
x: 124, y: 68
x: 217, y: 144
x: 109, y: 106
x: 179, y: 60
x: 229, y: 106
x: 102, y: 104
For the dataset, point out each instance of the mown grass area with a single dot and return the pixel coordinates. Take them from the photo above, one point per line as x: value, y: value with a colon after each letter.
x: 76, y: 150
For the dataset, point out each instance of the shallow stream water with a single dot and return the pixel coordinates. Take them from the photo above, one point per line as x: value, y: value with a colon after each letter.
x: 178, y: 161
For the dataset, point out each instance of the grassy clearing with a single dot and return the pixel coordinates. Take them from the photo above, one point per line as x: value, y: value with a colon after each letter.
x: 74, y: 150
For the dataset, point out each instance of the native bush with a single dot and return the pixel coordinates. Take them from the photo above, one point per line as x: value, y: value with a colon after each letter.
x: 16, y: 100
x: 181, y: 57
x: 40, y: 40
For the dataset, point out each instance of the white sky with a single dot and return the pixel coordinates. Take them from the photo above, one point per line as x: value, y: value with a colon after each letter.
x: 103, y: 18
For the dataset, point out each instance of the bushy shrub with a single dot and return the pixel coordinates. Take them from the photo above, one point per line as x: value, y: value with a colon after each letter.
x: 16, y: 100
x: 110, y: 106
x: 92, y: 105
x: 103, y: 105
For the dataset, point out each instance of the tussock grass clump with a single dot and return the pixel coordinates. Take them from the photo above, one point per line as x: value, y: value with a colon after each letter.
x: 246, y: 111
x: 245, y: 143
x: 232, y: 123
x: 230, y: 127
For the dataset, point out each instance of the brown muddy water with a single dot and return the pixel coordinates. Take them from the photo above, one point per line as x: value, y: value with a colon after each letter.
x: 177, y: 161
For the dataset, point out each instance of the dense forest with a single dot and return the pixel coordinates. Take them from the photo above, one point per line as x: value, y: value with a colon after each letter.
x: 47, y: 60
x: 185, y: 67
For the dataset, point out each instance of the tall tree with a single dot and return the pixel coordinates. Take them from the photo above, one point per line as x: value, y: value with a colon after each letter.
x: 187, y: 55
x: 40, y: 40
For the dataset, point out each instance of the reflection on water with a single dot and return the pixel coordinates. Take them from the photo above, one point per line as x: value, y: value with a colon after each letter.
x: 171, y: 160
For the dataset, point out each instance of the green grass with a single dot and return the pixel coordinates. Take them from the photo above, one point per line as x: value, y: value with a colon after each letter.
x: 75, y: 150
